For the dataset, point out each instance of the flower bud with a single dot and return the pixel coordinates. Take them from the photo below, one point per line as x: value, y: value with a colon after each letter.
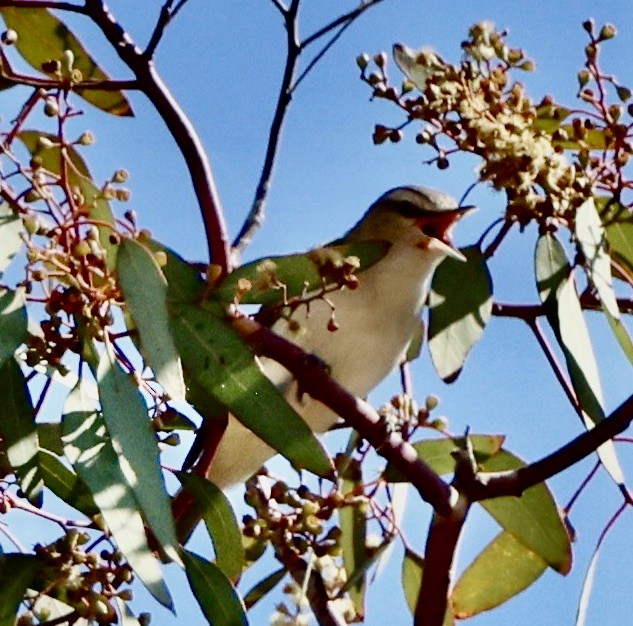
x: 380, y: 60
x: 583, y: 77
x: 624, y: 93
x: 362, y: 60
x: 9, y: 37
x: 86, y: 139
x: 608, y: 31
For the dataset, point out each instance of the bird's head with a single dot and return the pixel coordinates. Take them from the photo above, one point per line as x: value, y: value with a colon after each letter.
x: 415, y: 216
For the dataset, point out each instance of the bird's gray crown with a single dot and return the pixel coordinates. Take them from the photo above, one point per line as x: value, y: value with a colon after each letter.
x: 413, y: 200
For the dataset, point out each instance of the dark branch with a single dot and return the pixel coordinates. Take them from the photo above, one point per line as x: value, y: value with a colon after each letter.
x: 178, y: 124
x: 514, y: 483
x: 255, y: 216
x: 358, y: 414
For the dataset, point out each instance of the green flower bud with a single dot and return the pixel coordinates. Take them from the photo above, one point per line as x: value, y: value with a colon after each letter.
x: 362, y: 60
x: 608, y: 31
x: 9, y: 37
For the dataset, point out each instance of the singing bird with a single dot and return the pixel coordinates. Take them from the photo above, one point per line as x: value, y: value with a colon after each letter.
x: 376, y: 321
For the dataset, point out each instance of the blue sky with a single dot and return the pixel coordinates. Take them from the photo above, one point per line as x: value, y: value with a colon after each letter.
x: 223, y: 62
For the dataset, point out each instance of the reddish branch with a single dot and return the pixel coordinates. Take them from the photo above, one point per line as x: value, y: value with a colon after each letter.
x: 314, y: 380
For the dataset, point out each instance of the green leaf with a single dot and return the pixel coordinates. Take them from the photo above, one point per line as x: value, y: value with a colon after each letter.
x: 184, y: 281
x: 50, y: 436
x: 619, y: 235
x: 217, y: 598
x: 558, y: 293
x: 145, y: 291
x: 91, y: 453
x: 532, y: 519
x: 550, y: 117
x: 10, y: 235
x: 127, y: 617
x: 502, y: 570
x: 221, y: 363
x: 98, y: 208
x: 591, y: 237
x: 42, y: 37
x: 298, y: 273
x: 66, y: 485
x: 17, y: 429
x: 436, y: 453
x: 16, y: 573
x: 412, y: 570
x: 587, y: 586
x: 353, y: 523
x: 263, y: 587
x: 134, y: 441
x: 219, y: 518
x: 460, y: 305
x: 13, y: 323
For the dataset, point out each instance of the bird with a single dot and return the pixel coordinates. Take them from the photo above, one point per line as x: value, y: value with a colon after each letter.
x: 375, y: 322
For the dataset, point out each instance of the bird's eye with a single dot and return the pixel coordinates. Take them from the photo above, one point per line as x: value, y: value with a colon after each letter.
x: 408, y: 209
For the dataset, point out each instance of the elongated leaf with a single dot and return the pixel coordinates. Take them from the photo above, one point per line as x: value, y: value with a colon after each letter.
x: 412, y: 571
x: 127, y: 617
x: 263, y: 587
x: 219, y: 518
x: 93, y: 457
x: 17, y: 428
x: 533, y: 519
x: 460, y: 305
x: 16, y: 574
x: 619, y: 234
x: 66, y: 485
x: 591, y: 238
x: 10, y: 235
x: 43, y: 37
x: 353, y: 523
x: 134, y: 441
x: 184, y: 281
x: 564, y: 313
x: 298, y: 273
x: 145, y: 291
x: 224, y: 366
x: 587, y: 586
x: 217, y: 598
x: 502, y: 570
x: 436, y: 453
x: 95, y: 203
x: 13, y: 323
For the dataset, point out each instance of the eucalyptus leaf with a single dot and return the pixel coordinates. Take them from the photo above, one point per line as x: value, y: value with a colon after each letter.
x: 13, y: 322
x: 90, y: 450
x: 43, y: 37
x: 16, y: 573
x: 223, y: 365
x: 504, y: 568
x: 353, y: 524
x: 11, y: 230
x: 217, y: 598
x: 134, y: 441
x: 558, y: 293
x: 263, y: 587
x: 18, y: 430
x: 275, y: 278
x: 458, y: 316
x: 220, y: 521
x: 437, y: 453
x: 145, y: 291
x: 533, y: 519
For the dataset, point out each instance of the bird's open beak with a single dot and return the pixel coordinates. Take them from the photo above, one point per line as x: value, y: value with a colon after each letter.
x: 439, y: 226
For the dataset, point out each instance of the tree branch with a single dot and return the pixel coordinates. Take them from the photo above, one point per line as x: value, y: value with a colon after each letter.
x: 255, y: 216
x: 179, y: 126
x: 357, y: 413
x: 515, y: 482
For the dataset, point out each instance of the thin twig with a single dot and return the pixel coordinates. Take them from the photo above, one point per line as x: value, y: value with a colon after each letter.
x: 347, y: 17
x: 255, y: 216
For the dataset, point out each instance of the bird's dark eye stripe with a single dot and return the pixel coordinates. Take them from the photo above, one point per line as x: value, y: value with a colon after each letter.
x: 408, y: 209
